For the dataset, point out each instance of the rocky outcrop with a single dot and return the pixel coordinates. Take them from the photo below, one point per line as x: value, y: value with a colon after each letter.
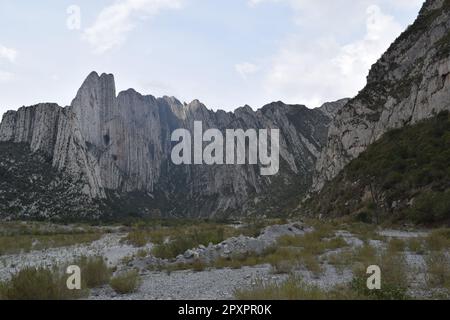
x: 117, y: 147
x: 409, y: 83
x: 54, y: 132
x: 228, y: 249
x: 36, y: 126
x: 332, y: 108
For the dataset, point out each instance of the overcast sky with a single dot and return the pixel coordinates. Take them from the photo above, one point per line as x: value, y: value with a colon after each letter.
x: 224, y: 53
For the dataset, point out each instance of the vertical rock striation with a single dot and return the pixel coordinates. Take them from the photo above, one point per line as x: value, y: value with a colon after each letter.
x: 117, y: 148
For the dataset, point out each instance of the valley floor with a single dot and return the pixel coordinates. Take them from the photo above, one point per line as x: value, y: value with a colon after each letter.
x: 297, y: 260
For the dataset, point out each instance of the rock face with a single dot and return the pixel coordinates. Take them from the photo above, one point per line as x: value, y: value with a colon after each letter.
x: 116, y: 149
x: 409, y: 83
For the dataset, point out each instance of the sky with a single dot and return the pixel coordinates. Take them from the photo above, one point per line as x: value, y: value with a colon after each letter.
x: 225, y: 53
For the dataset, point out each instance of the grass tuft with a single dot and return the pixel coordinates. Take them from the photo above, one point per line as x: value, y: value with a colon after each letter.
x: 94, y: 271
x: 438, y: 270
x: 38, y: 284
x: 126, y: 283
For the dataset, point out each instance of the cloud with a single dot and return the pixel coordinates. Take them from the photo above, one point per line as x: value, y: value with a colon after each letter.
x: 300, y: 4
x: 245, y: 69
x: 408, y: 3
x: 357, y: 58
x: 313, y: 70
x: 9, y: 54
x: 114, y: 22
x: 5, y: 76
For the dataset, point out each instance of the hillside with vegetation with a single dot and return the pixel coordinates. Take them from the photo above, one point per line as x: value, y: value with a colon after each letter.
x: 405, y: 176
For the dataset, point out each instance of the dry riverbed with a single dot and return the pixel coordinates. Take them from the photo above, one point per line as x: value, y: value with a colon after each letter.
x: 255, y: 266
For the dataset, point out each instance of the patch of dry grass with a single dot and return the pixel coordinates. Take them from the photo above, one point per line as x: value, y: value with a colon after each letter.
x: 291, y: 289
x: 17, y: 237
x: 438, y: 240
x: 295, y: 288
x: 438, y: 270
x: 13, y: 244
x: 94, y: 271
x: 397, y: 245
x: 127, y: 282
x: 38, y: 284
x: 416, y: 245
x: 200, y: 232
x: 341, y: 260
x: 291, y: 252
x: 394, y: 282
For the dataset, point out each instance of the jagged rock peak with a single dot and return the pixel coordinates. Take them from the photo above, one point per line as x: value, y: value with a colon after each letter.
x: 332, y: 108
x: 117, y: 147
x: 196, y: 105
x: 245, y: 108
x: 171, y: 100
x: 94, y: 81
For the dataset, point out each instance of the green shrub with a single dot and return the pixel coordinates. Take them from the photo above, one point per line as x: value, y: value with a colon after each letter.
x: 364, y: 216
x: 431, y: 207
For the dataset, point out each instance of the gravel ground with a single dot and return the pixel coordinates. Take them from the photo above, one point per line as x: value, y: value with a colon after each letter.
x: 206, y: 285
x: 108, y: 246
x: 403, y: 234
x: 211, y: 283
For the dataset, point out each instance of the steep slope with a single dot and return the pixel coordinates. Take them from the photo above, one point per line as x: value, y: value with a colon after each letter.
x: 404, y: 176
x: 409, y: 83
x: 117, y: 148
x: 55, y: 132
x: 31, y: 188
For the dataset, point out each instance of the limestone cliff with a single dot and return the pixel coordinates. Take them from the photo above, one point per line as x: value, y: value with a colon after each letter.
x: 409, y: 83
x: 116, y: 149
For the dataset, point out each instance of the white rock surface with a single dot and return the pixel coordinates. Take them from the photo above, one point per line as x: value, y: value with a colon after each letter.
x: 411, y: 82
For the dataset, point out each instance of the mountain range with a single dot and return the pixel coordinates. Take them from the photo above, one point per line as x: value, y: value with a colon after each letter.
x: 107, y: 155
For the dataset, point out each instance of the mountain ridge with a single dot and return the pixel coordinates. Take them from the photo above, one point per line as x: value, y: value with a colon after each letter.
x: 409, y: 83
x: 118, y: 144
x: 115, y: 147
